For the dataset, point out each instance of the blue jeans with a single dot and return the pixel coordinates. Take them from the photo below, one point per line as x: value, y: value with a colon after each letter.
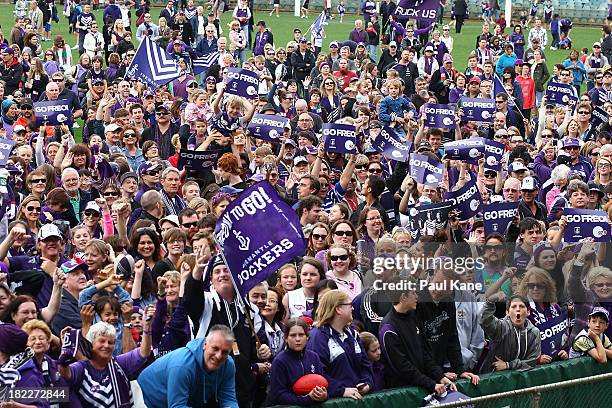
x: 539, y: 95
x: 372, y: 52
x: 556, y: 40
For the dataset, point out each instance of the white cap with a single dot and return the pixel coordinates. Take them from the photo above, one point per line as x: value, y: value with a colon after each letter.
x: 529, y: 184
x: 92, y: 205
x: 516, y: 166
x: 49, y: 230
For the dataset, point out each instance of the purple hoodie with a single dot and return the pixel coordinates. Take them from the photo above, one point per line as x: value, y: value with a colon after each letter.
x: 287, y: 367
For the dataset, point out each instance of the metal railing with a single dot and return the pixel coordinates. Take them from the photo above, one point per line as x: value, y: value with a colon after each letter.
x: 557, y: 395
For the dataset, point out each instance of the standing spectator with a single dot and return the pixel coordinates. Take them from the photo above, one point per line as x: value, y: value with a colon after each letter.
x: 573, y: 64
x: 36, y: 18
x: 262, y: 37
x: 538, y: 32
x: 461, y: 11
x: 302, y: 61
x: 84, y: 21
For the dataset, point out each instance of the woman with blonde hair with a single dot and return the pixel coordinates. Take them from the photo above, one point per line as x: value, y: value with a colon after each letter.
x: 200, y: 205
x: 603, y: 171
x: 340, y: 261
x: 349, y: 373
x: 29, y: 211
x: 238, y: 39
x: 37, y: 80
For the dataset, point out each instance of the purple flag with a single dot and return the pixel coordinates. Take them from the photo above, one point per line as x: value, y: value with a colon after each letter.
x: 426, y: 170
x: 494, y: 151
x: 439, y: 116
x: 561, y: 94
x: 198, y: 160
x: 477, y: 109
x: 586, y: 224
x: 497, y: 216
x: 598, y: 116
x: 6, y: 146
x: 254, y: 247
x: 426, y: 218
x: 152, y: 65
x: 418, y: 9
x: 391, y: 146
x: 53, y: 113
x: 468, y: 150
x: 466, y: 200
x: 553, y: 333
x: 268, y: 127
x: 241, y: 82
x: 339, y: 138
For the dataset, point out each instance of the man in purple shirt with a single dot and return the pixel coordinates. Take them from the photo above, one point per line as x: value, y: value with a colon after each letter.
x: 262, y: 37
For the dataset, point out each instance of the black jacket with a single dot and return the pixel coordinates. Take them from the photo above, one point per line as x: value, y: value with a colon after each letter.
x: 407, y: 355
x: 70, y: 215
x: 11, y: 75
x: 408, y: 73
x: 606, y: 47
x: 302, y: 64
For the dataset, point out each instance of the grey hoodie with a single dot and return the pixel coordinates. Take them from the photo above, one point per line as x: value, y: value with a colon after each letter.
x: 469, y: 331
x: 520, y: 348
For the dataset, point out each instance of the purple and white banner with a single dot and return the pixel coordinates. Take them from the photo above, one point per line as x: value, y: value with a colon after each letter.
x: 598, y: 116
x: 196, y: 160
x: 426, y: 170
x: 6, y: 146
x: 241, y: 82
x: 426, y: 218
x: 251, y: 255
x: 561, y: 94
x: 554, y: 333
x: 418, y: 9
x: 586, y: 224
x: 439, y: 116
x: 52, y: 113
x: 494, y: 151
x: 498, y: 216
x: 339, y: 138
x: 477, y: 109
x: 468, y: 150
x: 466, y: 200
x: 268, y: 127
x: 152, y: 65
x: 391, y: 146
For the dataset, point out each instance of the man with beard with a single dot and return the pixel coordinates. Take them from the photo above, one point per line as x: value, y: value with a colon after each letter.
x: 285, y: 158
x: 27, y: 113
x: 407, y: 71
x: 162, y: 131
x: 50, y: 245
x: 494, y: 256
x: 420, y: 96
x: 71, y: 182
x: 344, y: 75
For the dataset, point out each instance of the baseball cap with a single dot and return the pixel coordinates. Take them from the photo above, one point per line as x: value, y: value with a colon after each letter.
x: 19, y: 128
x: 27, y: 102
x: 97, y: 81
x: 290, y: 142
x: 333, y: 44
x: 303, y: 40
x: 162, y: 107
x: 594, y: 187
x: 423, y: 145
x: 172, y: 218
x: 92, y: 205
x: 392, y: 44
x: 148, y: 92
x: 296, y: 30
x: 261, y: 23
x: 570, y: 142
x: 597, y: 44
x: 8, y: 51
x: 230, y: 190
x: 73, y: 265
x: 310, y: 149
x: 447, y: 58
x: 474, y: 79
x: 429, y: 48
x: 516, y: 166
x: 48, y: 231
x: 257, y: 178
x: 601, y: 312
x: 361, y: 44
x: 129, y: 174
x: 299, y: 160
x: 113, y: 127
x: 147, y: 166
x: 529, y: 184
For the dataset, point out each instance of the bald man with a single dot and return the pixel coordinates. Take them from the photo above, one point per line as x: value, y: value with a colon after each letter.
x: 512, y: 189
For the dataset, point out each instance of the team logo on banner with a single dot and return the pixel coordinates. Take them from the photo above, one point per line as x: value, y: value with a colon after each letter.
x: 561, y: 94
x: 477, y: 109
x: 152, y: 65
x: 426, y: 218
x: 466, y: 200
x: 598, y: 116
x: 439, y: 116
x: 497, y: 216
x: 494, y: 151
x: 426, y: 170
x: 339, y: 138
x: 586, y: 224
x: 52, y: 113
x: 254, y: 247
x: 241, y: 82
x: 198, y: 160
x: 203, y: 63
x: 391, y: 145
x: 6, y: 146
x: 468, y: 150
x: 268, y: 127
x: 418, y: 9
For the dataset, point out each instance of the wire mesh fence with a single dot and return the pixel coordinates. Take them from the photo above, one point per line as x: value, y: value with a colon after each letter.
x: 589, y: 392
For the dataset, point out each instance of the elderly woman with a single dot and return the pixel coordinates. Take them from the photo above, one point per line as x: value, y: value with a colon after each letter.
x: 103, y: 380
x: 595, y: 291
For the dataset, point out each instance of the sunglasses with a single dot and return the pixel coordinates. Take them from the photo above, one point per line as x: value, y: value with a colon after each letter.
x: 361, y: 167
x: 151, y: 173
x: 190, y: 224
x: 490, y: 175
x: 39, y: 181
x: 319, y: 237
x: 111, y: 194
x: 58, y: 80
x: 335, y: 258
x: 339, y: 233
x: 31, y: 208
x: 163, y: 113
x: 129, y: 135
x: 572, y: 148
x: 375, y: 171
x: 532, y: 286
x: 91, y: 213
x: 493, y: 247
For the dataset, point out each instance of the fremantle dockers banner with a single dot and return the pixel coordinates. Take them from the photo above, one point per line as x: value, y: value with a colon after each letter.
x: 268, y: 127
x: 426, y: 170
x: 391, y: 145
x: 241, y: 82
x: 426, y: 218
x: 197, y: 160
x: 561, y: 94
x: 439, y: 116
x: 494, y: 151
x: 497, y: 216
x: 468, y: 150
x: 466, y: 200
x: 477, y: 109
x: 586, y: 224
x: 339, y: 138
x: 53, y: 113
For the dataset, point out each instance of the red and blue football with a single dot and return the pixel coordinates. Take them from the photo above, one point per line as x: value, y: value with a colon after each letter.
x: 308, y: 382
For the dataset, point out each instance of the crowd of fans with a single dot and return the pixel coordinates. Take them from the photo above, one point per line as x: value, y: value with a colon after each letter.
x: 110, y: 274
